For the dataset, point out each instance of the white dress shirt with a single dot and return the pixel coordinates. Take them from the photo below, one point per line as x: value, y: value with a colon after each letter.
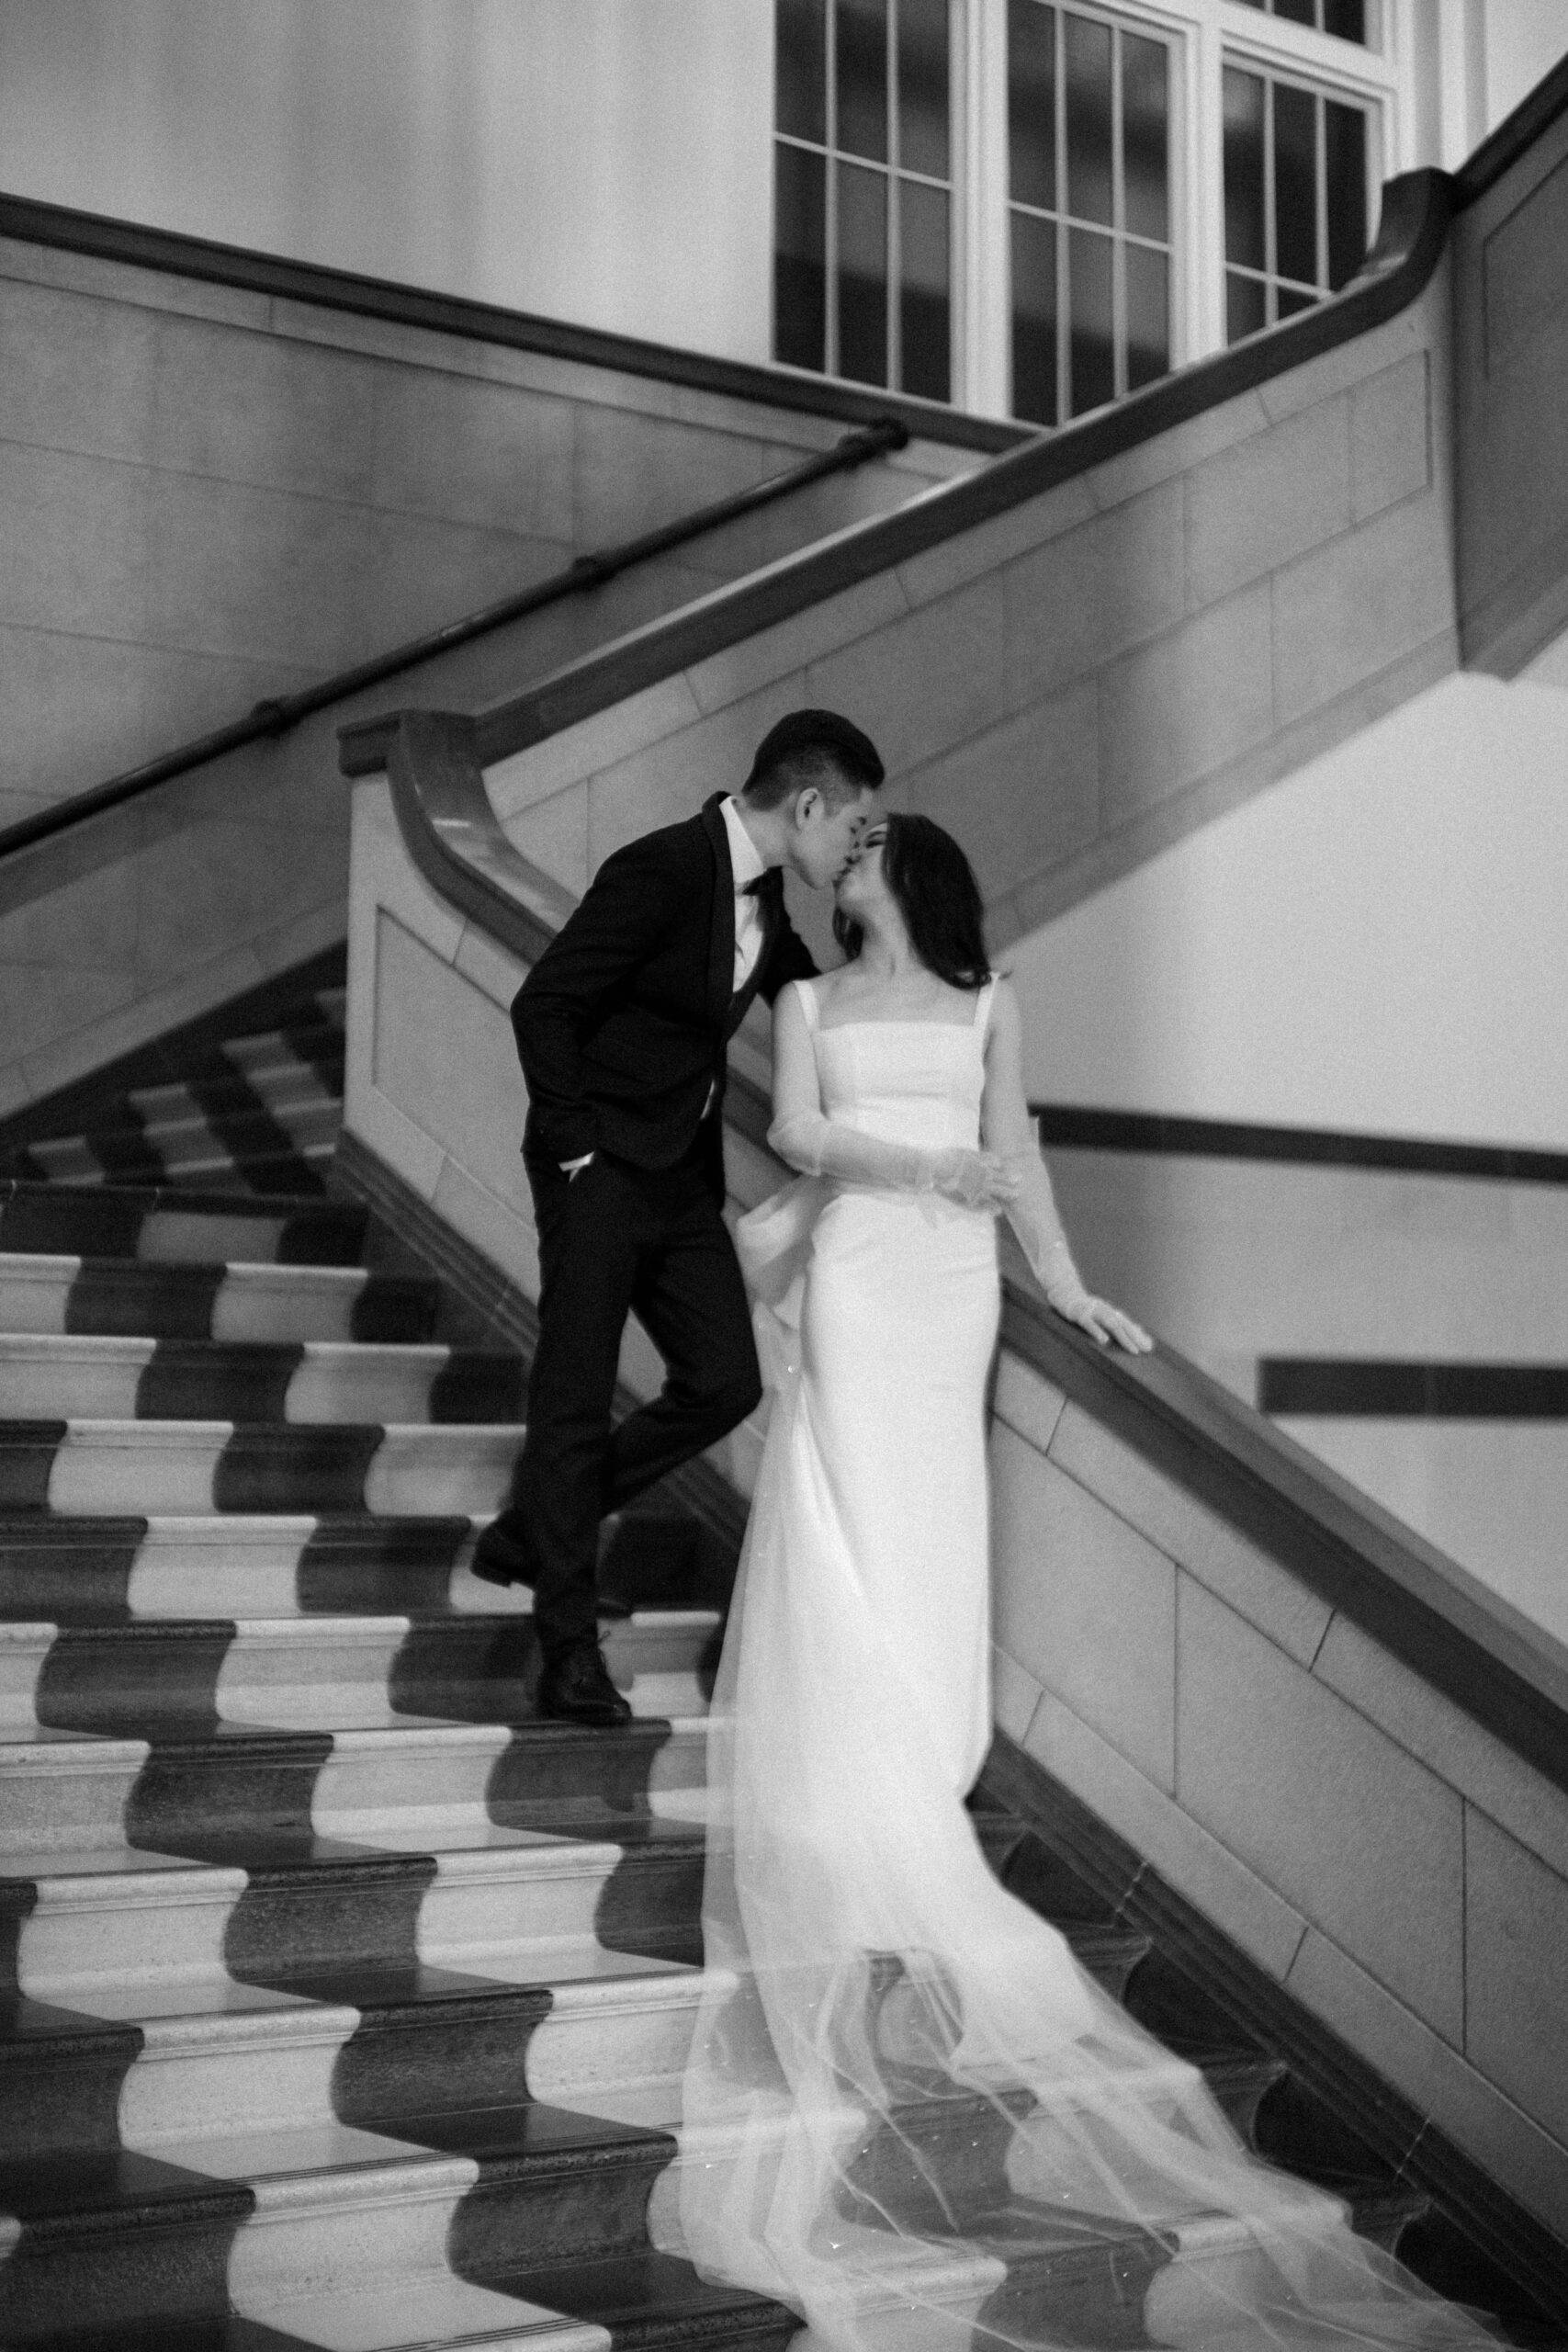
x: 749, y: 867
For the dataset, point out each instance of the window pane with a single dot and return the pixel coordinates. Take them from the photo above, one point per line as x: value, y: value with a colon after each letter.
x: 1086, y: 54
x: 1345, y: 19
x: 1345, y: 130
x: 923, y: 296
x: 799, y: 275
x: 1148, y: 316
x: 1033, y: 319
x: 1092, y: 349
x: 861, y: 60
x: 1291, y: 299
x: 1299, y: 12
x: 1145, y: 146
x: 1295, y: 183
x: 802, y: 61
x: 863, y: 275
x: 1244, y: 306
x: 1031, y: 102
x: 922, y: 87
x: 1244, y: 168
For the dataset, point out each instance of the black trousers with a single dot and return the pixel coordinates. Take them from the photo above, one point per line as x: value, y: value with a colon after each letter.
x: 616, y: 1239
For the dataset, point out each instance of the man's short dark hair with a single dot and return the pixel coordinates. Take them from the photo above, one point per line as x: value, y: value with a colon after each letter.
x: 812, y: 747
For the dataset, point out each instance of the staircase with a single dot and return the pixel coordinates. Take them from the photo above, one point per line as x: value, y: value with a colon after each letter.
x: 348, y: 1997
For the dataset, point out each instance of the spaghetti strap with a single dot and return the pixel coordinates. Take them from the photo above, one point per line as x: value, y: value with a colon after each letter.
x: 983, y: 1004
x: 808, y: 996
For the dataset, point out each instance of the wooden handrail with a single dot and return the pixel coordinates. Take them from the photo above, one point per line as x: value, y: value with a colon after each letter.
x: 276, y: 714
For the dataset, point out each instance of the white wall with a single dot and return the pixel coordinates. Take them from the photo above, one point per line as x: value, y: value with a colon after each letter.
x: 563, y: 156
x: 1377, y: 943
x: 1524, y: 40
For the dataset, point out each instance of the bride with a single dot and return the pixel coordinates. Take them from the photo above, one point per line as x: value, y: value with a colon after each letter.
x: 908, y: 2113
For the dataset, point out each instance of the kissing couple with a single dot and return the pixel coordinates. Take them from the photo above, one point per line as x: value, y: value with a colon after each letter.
x: 907, y: 2112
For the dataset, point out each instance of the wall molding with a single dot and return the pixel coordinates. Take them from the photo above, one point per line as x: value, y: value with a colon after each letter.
x: 139, y: 245
x: 1074, y: 1126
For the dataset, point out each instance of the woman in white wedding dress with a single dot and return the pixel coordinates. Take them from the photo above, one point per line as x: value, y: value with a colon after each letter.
x: 908, y: 2113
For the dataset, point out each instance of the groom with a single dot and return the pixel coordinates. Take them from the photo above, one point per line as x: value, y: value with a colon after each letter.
x: 621, y: 1029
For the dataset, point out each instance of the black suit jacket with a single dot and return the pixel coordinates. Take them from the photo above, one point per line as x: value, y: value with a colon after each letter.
x: 622, y: 1023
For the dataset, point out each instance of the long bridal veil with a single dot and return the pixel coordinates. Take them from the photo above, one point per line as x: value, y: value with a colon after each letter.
x: 907, y: 2112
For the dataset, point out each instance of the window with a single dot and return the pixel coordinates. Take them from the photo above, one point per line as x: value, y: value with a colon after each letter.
x: 1345, y: 19
x: 1295, y: 192
x: 1089, y: 208
x: 863, y: 229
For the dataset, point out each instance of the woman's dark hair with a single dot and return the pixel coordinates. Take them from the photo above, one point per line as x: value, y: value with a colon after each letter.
x: 938, y: 897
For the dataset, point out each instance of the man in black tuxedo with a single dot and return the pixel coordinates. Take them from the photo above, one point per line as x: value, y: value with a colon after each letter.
x: 622, y: 1027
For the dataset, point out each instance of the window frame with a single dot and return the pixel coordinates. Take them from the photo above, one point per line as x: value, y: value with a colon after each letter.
x: 1141, y: 25
x: 893, y: 172
x: 1204, y: 34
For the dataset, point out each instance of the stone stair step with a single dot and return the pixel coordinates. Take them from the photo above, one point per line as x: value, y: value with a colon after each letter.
x: 1240, y: 2080
x: 104, y: 1466
x: 332, y: 2209
x: 259, y: 1305
x: 93, y: 1376
x: 241, y: 1790
x: 247, y: 1148
x: 603, y: 2031
x: 227, y: 1090
x: 157, y: 1677
x: 126, y: 1935
x: 192, y: 1225
x: 369, y: 2048
x: 230, y: 1565
x: 98, y: 1568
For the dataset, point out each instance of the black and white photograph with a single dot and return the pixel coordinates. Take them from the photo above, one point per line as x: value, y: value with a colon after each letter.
x: 783, y: 1175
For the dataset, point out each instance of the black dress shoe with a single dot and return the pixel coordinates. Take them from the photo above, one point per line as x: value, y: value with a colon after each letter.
x: 505, y: 1553
x: 576, y: 1687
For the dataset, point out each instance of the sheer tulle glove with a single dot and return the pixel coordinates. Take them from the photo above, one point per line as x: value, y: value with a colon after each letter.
x: 824, y: 1147
x: 977, y: 1180
x: 1032, y: 1212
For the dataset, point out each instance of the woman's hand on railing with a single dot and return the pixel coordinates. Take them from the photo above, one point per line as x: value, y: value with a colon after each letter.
x: 1100, y: 1320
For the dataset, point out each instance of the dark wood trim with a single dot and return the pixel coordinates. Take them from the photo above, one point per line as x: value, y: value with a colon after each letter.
x: 1388, y: 1388
x: 139, y: 246
x: 1412, y: 239
x: 164, y: 1058
x: 509, y: 1315
x: 1072, y: 1126
x: 1409, y: 1596
x: 1269, y: 2015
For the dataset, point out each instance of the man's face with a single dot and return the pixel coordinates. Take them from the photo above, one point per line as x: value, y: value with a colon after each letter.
x: 826, y: 835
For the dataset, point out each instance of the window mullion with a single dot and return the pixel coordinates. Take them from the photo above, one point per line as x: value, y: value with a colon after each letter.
x: 1270, y: 224
x: 1064, y: 235
x: 894, y: 262
x: 1320, y: 188
x: 1118, y: 225
x: 830, y: 194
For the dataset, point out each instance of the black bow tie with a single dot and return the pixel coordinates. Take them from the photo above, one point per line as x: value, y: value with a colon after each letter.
x: 753, y: 889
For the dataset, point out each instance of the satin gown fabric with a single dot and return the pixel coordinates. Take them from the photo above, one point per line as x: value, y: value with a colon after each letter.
x: 907, y: 2112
